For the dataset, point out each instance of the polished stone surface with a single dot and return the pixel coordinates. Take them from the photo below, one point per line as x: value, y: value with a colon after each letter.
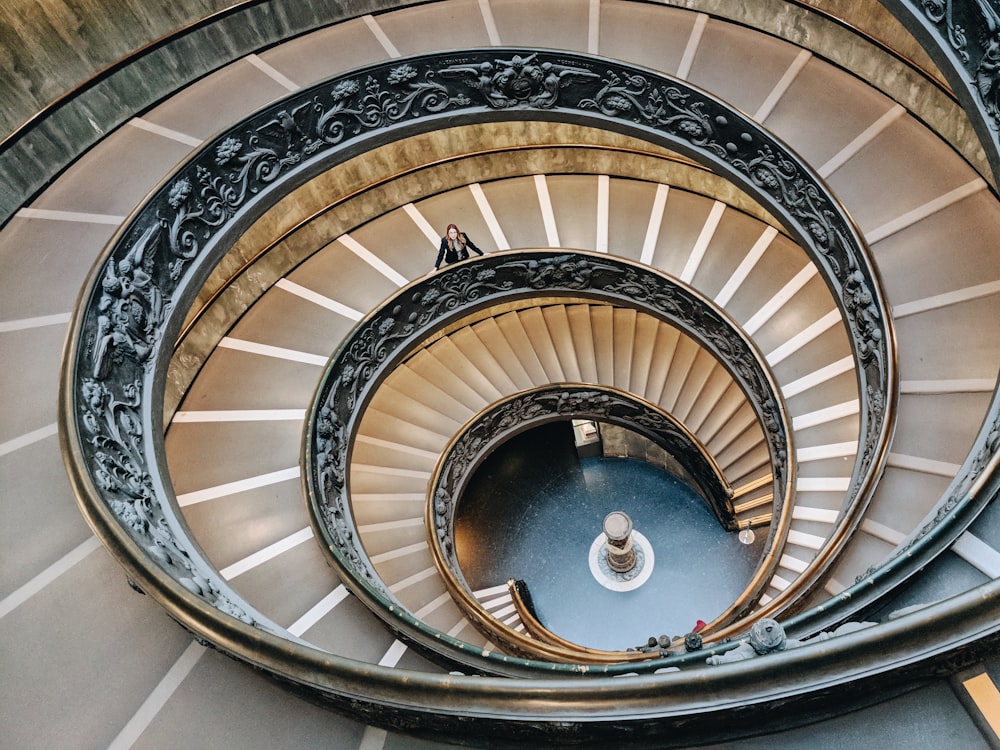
x: 534, y: 509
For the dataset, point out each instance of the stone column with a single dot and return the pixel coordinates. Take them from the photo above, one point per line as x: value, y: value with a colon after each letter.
x: 618, y: 531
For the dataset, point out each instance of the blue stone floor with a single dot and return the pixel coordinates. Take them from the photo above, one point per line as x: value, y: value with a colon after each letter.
x: 533, y: 510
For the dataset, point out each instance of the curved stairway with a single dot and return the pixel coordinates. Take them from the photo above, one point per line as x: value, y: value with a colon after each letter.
x: 246, y: 407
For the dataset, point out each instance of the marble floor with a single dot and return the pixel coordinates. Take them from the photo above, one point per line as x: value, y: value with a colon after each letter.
x: 534, y: 510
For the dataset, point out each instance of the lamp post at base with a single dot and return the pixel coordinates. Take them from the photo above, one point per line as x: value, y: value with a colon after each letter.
x: 618, y: 531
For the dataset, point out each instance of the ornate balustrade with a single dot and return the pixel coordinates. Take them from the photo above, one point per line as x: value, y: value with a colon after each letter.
x: 73, y: 122
x: 963, y: 38
x: 523, y: 411
x: 405, y: 321
x: 136, y: 297
x: 54, y: 136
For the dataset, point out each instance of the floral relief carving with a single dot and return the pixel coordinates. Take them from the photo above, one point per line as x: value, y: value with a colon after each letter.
x: 512, y: 416
x: 972, y: 30
x: 633, y: 97
x: 521, y: 80
x: 183, y: 225
x: 387, y: 336
x: 130, y: 309
x: 114, y: 429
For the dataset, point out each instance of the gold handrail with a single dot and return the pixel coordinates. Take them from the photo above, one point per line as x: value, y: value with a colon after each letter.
x: 541, y: 633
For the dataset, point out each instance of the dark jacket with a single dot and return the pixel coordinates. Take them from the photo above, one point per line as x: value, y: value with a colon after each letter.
x: 449, y: 255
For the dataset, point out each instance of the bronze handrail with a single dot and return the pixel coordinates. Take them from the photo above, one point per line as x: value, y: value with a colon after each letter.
x: 480, y: 437
x: 133, y: 510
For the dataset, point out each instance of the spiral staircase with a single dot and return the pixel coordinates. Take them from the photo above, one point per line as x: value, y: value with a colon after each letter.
x: 257, y: 336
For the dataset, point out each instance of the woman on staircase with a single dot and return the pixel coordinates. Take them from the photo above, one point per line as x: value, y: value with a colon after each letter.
x: 455, y: 246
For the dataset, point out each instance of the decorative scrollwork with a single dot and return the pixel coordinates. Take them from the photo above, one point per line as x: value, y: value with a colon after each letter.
x: 520, y: 81
x: 468, y: 285
x: 979, y: 50
x: 130, y: 310
x: 115, y: 430
x: 565, y: 271
x: 986, y: 74
x: 497, y: 424
x: 633, y: 97
x: 118, y: 466
x: 390, y: 334
x: 941, y: 11
x: 181, y: 230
